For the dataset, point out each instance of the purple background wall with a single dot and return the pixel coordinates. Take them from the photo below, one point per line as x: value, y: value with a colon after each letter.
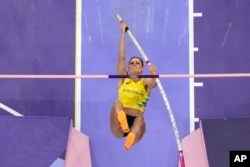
x: 222, y: 35
x: 37, y: 37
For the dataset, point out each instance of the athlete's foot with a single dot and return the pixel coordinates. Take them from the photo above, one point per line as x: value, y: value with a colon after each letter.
x: 123, y: 121
x: 130, y: 140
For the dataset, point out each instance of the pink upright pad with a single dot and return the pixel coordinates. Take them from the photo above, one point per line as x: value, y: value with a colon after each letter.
x: 194, y: 150
x: 78, y: 150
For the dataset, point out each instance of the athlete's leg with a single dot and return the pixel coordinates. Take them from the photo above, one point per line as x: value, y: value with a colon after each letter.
x: 137, y: 131
x: 139, y: 128
x: 118, y: 120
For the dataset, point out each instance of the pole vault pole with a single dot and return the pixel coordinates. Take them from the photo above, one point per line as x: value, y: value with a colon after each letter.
x: 164, y: 96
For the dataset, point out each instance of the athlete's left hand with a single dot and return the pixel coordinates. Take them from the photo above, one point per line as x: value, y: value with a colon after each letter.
x: 152, y: 69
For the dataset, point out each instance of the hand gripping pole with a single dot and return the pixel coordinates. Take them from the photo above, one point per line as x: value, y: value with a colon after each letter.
x: 164, y: 96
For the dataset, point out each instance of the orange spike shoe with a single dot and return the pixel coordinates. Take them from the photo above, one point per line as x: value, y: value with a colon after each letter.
x: 130, y: 140
x: 123, y: 121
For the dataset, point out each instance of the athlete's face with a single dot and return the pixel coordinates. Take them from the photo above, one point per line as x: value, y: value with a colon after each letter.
x: 135, y: 66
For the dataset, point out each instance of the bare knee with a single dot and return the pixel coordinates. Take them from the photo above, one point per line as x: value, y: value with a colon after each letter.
x: 139, y: 121
x: 117, y: 132
x: 118, y: 105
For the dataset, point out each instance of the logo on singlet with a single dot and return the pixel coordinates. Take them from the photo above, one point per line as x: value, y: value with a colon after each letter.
x: 128, y: 82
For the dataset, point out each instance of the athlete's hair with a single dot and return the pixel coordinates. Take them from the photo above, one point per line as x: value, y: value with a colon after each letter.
x: 137, y: 58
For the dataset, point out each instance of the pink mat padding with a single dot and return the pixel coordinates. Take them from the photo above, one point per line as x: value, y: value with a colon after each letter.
x: 78, y: 150
x: 194, y: 150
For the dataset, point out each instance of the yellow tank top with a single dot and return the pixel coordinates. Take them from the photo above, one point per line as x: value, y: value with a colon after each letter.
x: 133, y: 94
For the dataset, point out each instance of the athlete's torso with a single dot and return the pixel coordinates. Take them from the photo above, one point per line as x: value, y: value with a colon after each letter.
x: 133, y: 94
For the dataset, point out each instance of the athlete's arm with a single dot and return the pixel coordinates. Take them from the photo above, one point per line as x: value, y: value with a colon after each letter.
x: 150, y: 82
x: 121, y: 65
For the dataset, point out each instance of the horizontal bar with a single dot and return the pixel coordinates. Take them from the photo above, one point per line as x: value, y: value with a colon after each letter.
x: 225, y: 75
x: 74, y: 76
x: 133, y: 76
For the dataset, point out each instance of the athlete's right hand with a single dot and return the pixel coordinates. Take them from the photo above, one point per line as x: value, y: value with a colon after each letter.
x: 123, y: 26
